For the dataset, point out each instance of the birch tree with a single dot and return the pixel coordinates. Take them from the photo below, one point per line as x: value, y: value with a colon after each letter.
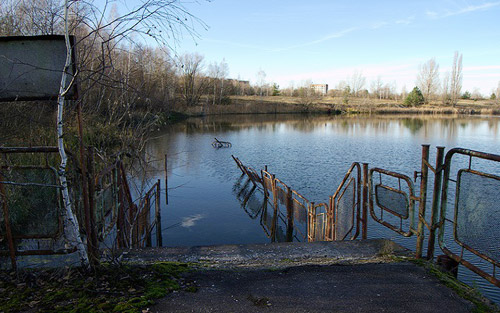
x: 456, y: 78
x: 71, y: 227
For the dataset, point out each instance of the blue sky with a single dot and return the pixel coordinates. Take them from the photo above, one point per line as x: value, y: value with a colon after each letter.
x: 327, y: 41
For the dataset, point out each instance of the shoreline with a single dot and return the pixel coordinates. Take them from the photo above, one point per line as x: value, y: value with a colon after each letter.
x: 281, y: 105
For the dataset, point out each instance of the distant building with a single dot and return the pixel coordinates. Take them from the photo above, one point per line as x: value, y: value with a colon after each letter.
x: 321, y: 89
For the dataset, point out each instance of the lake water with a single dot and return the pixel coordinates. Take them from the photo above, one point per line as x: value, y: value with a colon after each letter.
x: 309, y: 153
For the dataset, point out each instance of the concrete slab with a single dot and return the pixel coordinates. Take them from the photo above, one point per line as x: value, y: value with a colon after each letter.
x: 383, y: 287
x: 346, y: 276
x: 270, y: 255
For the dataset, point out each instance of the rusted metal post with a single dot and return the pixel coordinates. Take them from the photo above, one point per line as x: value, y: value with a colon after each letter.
x: 447, y: 264
x: 423, y: 200
x: 311, y: 223
x: 120, y: 231
x: 330, y: 226
x: 8, y: 230
x: 145, y: 221
x: 94, y: 254
x: 86, y: 201
x: 275, y: 205
x: 159, y: 239
x: 266, y: 192
x: 166, y: 179
x: 364, y: 219
x: 289, y: 215
x: 436, y: 196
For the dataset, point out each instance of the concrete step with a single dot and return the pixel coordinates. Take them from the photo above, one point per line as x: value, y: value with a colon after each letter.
x: 270, y: 255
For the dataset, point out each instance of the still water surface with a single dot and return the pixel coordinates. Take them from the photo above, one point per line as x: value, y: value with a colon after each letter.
x: 309, y: 153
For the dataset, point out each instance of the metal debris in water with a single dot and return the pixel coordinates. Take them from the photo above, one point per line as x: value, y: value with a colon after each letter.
x: 221, y: 144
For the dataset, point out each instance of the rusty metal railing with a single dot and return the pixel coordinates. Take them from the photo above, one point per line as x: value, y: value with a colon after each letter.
x: 476, y: 213
x: 318, y: 219
x: 119, y: 215
x: 394, y: 200
x: 345, y: 207
x: 391, y: 199
x: 221, y: 144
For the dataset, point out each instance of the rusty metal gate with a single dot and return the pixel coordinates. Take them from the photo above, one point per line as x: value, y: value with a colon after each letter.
x: 475, y: 221
x: 394, y: 195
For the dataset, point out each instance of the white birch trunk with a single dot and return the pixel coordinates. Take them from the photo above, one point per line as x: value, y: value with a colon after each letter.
x: 71, y: 227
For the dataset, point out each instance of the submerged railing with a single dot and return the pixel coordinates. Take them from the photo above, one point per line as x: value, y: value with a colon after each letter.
x: 31, y: 211
x: 392, y: 201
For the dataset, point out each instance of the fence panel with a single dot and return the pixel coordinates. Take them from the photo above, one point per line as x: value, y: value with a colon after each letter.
x: 393, y: 193
x: 345, y: 204
x: 476, y: 213
x: 318, y: 220
x: 32, y: 198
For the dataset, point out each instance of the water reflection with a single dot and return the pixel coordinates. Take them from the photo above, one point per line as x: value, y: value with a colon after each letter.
x: 447, y: 127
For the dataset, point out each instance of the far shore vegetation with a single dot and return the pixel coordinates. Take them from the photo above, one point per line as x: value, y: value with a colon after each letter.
x: 128, y: 87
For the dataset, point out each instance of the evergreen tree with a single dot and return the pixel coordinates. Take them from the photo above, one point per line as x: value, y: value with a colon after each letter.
x: 414, y: 98
x: 276, y: 89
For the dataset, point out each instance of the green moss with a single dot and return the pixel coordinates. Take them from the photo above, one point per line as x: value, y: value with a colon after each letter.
x: 107, y: 289
x: 159, y: 289
x: 173, y: 269
x: 481, y: 304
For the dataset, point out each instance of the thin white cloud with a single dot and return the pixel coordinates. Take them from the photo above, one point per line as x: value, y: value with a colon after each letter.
x: 432, y: 14
x: 338, y: 34
x: 238, y: 45
x: 379, y: 25
x: 482, y: 68
x: 467, y: 9
x: 406, y: 21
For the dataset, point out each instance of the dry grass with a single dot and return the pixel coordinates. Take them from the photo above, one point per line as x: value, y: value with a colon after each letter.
x: 282, y: 104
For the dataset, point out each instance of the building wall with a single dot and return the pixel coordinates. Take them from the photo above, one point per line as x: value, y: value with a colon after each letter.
x: 321, y: 89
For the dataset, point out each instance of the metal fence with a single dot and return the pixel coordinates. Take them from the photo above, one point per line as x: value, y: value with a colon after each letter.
x: 31, y: 205
x: 391, y: 198
x: 475, y: 218
x: 30, y: 202
x: 121, y: 222
x: 345, y: 207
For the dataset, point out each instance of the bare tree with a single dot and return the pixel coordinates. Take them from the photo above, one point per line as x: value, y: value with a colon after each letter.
x: 476, y: 94
x: 217, y: 73
x: 497, y: 93
x: 404, y: 93
x: 193, y: 83
x: 357, y: 82
x: 445, y: 89
x: 31, y: 17
x: 376, y: 87
x: 456, y: 78
x: 261, y: 81
x: 428, y: 79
